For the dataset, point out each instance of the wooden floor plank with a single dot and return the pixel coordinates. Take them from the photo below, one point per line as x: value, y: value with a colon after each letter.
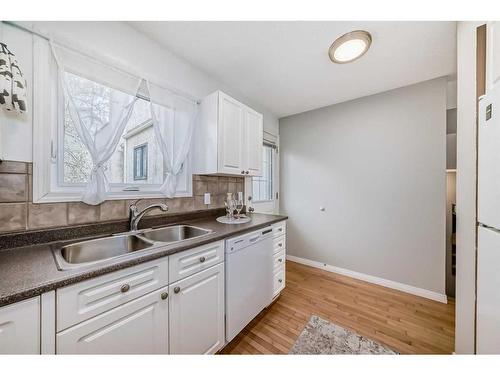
x: 401, y: 321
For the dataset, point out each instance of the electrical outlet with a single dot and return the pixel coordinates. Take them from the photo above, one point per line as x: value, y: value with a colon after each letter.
x: 206, y: 198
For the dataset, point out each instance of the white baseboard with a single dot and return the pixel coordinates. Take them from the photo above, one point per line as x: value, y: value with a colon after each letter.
x: 372, y: 279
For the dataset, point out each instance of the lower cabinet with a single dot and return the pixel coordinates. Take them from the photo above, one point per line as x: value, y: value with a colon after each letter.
x: 131, y: 311
x: 20, y: 327
x: 197, y: 312
x: 279, y: 281
x: 279, y: 230
x: 137, y: 327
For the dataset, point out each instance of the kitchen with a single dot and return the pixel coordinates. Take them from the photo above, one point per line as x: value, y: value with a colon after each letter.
x: 186, y: 198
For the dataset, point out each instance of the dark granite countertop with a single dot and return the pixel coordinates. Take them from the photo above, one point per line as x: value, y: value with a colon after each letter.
x: 31, y: 270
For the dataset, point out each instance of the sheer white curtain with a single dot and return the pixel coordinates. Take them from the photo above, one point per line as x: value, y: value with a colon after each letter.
x: 174, y: 121
x: 99, y: 120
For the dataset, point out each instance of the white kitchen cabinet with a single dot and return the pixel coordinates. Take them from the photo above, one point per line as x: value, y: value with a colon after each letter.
x: 228, y: 137
x: 189, y: 262
x: 197, y: 312
x: 89, y: 298
x: 279, y: 249
x: 20, y: 327
x: 252, y: 148
x: 136, y: 327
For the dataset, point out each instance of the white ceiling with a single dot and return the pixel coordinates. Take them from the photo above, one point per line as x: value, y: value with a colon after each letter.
x: 284, y: 66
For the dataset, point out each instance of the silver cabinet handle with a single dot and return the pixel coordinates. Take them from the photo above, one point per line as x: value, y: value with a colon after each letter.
x: 280, y: 280
x: 125, y: 288
x: 164, y: 295
x: 280, y: 244
x: 280, y: 229
x: 177, y: 289
x: 202, y: 259
x: 247, y: 172
x: 280, y: 260
x: 242, y: 172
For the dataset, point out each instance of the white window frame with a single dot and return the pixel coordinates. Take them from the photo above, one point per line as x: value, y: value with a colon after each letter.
x: 142, y: 146
x: 270, y: 206
x: 48, y: 116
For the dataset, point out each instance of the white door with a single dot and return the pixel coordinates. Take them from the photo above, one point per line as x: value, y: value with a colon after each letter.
x: 137, y: 327
x: 489, y: 159
x: 197, y: 313
x: 230, y: 135
x: 488, y: 296
x: 252, y: 156
x: 20, y: 327
x: 262, y: 191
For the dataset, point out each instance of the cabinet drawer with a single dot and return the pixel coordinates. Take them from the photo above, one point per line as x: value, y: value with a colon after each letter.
x: 78, y: 302
x: 279, y: 244
x: 279, y: 259
x: 20, y: 327
x: 279, y: 228
x: 137, y: 327
x: 189, y: 262
x: 279, y: 280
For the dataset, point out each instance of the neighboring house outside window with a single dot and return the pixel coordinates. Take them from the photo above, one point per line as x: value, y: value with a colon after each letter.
x: 141, y: 162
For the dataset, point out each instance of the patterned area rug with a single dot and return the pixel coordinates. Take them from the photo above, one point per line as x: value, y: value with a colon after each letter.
x: 323, y: 337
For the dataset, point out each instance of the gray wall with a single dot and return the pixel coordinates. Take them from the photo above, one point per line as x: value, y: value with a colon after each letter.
x: 377, y: 164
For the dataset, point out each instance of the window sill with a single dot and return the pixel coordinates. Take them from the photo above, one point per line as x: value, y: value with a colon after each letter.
x: 77, y: 197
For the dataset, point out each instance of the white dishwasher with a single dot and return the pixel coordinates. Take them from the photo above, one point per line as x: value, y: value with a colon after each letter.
x: 249, y: 278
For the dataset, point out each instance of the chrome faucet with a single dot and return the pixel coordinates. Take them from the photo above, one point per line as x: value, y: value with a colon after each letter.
x: 135, y: 215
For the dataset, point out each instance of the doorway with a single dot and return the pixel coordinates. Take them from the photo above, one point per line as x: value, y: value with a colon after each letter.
x: 262, y: 191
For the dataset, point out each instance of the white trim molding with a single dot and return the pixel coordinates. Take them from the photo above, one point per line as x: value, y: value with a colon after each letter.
x: 372, y: 279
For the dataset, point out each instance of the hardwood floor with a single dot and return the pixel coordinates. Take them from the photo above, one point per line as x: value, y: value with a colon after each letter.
x: 403, y: 322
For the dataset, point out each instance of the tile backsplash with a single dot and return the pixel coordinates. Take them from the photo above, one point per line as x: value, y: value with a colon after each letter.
x: 18, y: 213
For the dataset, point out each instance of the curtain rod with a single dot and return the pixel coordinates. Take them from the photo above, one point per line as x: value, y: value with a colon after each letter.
x: 172, y: 90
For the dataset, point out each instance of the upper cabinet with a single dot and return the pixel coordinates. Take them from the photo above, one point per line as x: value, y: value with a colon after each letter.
x: 228, y: 138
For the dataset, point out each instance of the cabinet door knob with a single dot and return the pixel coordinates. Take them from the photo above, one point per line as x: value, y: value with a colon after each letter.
x: 280, y: 229
x: 247, y: 172
x: 125, y: 288
x: 164, y: 295
x: 280, y: 260
x: 202, y: 259
x: 177, y: 289
x: 242, y: 172
x: 280, y: 244
x: 280, y: 280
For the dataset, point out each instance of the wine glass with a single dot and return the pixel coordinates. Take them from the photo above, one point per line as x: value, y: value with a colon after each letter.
x: 239, y: 207
x: 232, y: 206
x: 227, y: 204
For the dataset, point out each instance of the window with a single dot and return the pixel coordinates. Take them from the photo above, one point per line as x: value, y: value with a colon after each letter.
x: 63, y: 163
x: 141, y: 162
x: 262, y: 187
x: 123, y: 167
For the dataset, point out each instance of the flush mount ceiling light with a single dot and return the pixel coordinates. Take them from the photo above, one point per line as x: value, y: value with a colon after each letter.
x: 350, y: 46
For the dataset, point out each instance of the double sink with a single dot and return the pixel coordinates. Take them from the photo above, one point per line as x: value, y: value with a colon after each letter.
x: 89, y: 252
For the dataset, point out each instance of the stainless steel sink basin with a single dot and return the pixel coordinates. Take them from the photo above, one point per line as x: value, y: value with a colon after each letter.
x: 174, y: 233
x: 85, y: 253
x: 100, y: 249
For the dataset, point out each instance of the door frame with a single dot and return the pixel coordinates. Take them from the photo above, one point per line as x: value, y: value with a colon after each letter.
x: 271, y: 207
